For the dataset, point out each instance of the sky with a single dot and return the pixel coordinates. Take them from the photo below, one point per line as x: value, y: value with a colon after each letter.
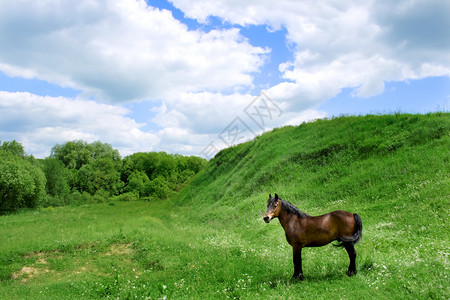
x: 194, y: 77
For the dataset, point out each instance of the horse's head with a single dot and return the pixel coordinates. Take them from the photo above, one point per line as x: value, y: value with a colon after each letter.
x: 273, y: 208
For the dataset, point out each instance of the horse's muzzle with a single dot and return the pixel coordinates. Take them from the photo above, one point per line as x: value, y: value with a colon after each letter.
x: 266, y: 219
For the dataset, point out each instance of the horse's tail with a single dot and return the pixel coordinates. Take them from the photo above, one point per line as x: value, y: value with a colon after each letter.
x: 357, y: 233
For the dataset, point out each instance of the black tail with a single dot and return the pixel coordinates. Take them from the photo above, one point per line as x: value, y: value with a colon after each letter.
x: 357, y: 233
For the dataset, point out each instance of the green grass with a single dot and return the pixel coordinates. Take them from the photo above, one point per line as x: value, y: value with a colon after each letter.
x: 210, y: 241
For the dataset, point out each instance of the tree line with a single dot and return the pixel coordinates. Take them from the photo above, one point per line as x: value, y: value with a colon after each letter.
x: 80, y: 172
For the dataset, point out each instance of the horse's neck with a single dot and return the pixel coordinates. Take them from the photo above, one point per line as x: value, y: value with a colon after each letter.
x: 285, y: 217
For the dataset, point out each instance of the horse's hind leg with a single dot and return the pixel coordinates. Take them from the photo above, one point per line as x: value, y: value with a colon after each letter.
x: 352, y: 255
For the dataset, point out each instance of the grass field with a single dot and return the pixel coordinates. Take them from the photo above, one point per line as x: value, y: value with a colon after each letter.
x: 210, y: 240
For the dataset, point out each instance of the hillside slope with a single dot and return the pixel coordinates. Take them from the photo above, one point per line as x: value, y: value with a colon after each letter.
x: 360, y: 159
x: 393, y: 170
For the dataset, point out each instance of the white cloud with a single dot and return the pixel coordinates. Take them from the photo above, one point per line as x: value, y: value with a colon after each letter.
x: 42, y: 122
x: 343, y: 44
x: 192, y: 120
x: 120, y: 50
x: 203, y: 113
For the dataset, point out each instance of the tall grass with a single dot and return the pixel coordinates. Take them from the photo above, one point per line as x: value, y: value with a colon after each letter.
x: 210, y: 241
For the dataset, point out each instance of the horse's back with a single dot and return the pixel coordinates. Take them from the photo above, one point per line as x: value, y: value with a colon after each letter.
x: 342, y: 213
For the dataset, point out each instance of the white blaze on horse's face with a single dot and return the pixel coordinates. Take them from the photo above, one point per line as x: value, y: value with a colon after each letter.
x: 272, y: 208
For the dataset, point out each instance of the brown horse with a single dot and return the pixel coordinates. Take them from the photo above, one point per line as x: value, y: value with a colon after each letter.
x: 303, y: 230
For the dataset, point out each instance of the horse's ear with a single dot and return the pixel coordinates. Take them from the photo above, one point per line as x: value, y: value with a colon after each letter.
x: 276, y: 197
x: 270, y: 196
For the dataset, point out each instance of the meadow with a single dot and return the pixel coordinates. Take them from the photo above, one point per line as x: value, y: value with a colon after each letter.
x: 209, y: 240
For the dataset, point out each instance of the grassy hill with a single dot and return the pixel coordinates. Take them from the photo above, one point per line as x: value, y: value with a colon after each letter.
x: 210, y: 240
x: 349, y: 162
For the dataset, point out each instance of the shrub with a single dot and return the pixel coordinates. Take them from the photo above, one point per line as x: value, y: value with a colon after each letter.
x: 130, y: 196
x: 22, y: 183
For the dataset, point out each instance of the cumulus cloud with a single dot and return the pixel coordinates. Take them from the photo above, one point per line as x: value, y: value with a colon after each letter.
x: 196, y: 119
x: 343, y: 44
x: 121, y: 50
x: 42, y: 122
x: 203, y: 113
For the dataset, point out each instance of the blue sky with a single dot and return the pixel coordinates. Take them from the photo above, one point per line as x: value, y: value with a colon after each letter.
x: 177, y: 75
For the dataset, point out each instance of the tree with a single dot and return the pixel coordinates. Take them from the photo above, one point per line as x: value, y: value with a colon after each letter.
x: 138, y: 182
x: 167, y: 172
x: 56, y: 177
x: 91, y: 167
x: 104, y: 150
x: 13, y: 147
x: 100, y: 175
x: 159, y: 188
x: 166, y: 165
x: 22, y: 183
x: 195, y: 163
x: 73, y: 154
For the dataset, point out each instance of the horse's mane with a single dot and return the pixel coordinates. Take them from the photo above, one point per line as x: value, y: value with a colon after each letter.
x: 290, y: 208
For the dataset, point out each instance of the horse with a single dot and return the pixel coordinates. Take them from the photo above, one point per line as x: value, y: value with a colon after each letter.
x: 303, y: 230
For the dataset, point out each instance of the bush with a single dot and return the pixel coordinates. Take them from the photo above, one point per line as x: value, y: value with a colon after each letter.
x: 100, y: 175
x: 138, y: 182
x: 77, y: 198
x: 22, y: 183
x: 54, y: 201
x: 101, y: 196
x: 56, y: 176
x: 130, y: 196
x: 159, y: 188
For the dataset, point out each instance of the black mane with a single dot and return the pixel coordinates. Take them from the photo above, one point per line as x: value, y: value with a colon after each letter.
x: 290, y: 208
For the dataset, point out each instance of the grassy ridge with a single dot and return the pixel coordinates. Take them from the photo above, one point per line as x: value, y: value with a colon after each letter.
x: 393, y: 170
x: 210, y: 240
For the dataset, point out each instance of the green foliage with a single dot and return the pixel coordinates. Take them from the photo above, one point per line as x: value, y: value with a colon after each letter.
x: 78, y: 172
x: 159, y: 188
x: 22, y: 183
x: 13, y: 147
x: 100, y: 175
x: 129, y: 196
x: 103, y: 150
x: 73, y: 154
x: 166, y: 172
x: 101, y: 196
x: 56, y: 177
x: 139, y: 183
x: 93, y: 168
x: 98, y: 167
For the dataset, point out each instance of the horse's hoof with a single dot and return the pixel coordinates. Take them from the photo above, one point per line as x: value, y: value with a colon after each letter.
x: 351, y: 273
x: 297, y: 278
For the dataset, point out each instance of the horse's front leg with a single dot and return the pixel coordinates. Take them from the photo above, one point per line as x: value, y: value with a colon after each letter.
x: 298, y: 272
